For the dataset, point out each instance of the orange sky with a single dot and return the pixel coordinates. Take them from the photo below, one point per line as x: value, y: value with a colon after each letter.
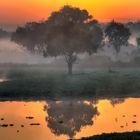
x: 20, y: 11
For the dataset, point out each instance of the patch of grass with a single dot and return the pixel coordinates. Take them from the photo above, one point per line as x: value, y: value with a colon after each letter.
x: 36, y: 83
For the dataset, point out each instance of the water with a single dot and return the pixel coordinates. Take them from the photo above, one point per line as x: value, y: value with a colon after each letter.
x: 62, y: 120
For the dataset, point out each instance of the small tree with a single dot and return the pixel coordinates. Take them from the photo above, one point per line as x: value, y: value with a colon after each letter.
x: 117, y: 35
x: 67, y: 32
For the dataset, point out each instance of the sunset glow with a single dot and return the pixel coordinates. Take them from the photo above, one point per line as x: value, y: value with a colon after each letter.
x: 21, y: 11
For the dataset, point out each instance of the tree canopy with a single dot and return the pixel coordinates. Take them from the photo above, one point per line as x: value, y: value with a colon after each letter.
x: 31, y: 36
x: 71, y: 32
x: 117, y: 35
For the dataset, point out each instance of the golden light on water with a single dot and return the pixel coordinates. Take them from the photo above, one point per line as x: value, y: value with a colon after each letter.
x: 111, y: 116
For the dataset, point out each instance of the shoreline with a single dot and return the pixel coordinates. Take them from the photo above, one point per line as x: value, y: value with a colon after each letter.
x: 135, y: 135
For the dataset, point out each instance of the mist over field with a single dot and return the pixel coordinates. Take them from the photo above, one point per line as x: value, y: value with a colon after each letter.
x: 13, y: 53
x: 10, y: 52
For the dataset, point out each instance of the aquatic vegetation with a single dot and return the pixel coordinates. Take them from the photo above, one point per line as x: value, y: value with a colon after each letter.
x: 35, y: 124
x: 29, y: 117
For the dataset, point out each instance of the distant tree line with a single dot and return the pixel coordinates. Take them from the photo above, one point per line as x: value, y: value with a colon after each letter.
x: 68, y: 32
x: 135, y: 28
x: 4, y: 34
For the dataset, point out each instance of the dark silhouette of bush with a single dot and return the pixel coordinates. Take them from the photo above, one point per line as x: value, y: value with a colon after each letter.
x: 116, y: 136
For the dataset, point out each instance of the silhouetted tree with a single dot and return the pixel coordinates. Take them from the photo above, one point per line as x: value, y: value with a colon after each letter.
x: 67, y: 32
x: 4, y: 34
x: 67, y: 118
x: 117, y: 35
x: 72, y: 31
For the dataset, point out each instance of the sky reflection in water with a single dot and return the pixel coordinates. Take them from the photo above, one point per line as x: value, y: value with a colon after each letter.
x: 67, y: 119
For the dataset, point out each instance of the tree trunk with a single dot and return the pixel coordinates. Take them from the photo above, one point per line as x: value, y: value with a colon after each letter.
x: 70, y: 68
x: 70, y: 60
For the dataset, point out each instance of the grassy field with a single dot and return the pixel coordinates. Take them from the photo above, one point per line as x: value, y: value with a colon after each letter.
x: 116, y: 136
x: 41, y: 83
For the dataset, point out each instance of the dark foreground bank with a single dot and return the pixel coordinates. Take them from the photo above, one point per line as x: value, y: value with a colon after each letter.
x: 116, y: 136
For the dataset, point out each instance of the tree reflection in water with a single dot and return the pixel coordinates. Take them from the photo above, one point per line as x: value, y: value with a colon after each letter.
x: 68, y: 117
